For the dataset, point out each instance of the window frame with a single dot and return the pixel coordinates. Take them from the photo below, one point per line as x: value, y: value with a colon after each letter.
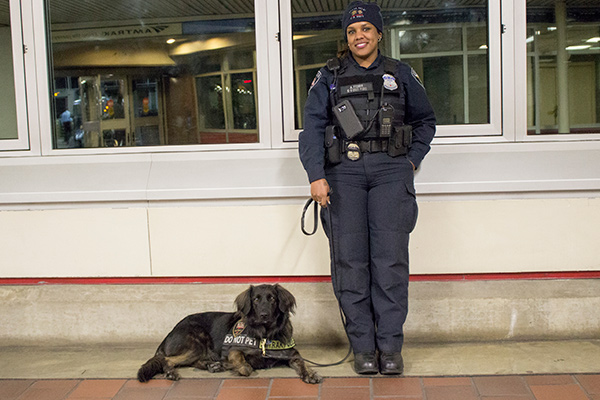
x: 20, y: 52
x: 519, y: 14
x: 465, y: 133
x: 263, y: 104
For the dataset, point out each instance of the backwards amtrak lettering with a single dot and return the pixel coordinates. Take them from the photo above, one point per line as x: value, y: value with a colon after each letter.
x: 135, y: 31
x: 119, y: 32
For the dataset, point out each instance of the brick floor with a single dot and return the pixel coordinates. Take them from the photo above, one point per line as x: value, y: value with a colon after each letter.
x: 522, y: 387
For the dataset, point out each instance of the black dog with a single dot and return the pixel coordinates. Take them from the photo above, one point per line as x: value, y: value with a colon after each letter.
x: 257, y: 336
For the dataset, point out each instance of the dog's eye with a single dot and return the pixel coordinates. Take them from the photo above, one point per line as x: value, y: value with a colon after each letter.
x: 271, y: 298
x: 256, y: 299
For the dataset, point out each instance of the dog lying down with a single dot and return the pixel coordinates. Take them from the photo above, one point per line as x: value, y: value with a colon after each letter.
x: 257, y: 336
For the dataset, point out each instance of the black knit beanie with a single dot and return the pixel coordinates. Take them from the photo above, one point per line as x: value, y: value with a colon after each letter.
x: 359, y: 11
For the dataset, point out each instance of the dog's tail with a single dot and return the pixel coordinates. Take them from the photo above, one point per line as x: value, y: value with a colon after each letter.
x: 152, y: 367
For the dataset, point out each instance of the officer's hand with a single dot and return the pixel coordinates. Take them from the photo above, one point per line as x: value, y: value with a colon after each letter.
x: 319, y: 191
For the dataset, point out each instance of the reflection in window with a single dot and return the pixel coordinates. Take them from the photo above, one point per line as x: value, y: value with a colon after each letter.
x: 211, y: 109
x: 563, y: 64
x: 152, y: 74
x: 242, y: 96
x: 446, y: 44
x: 8, y: 113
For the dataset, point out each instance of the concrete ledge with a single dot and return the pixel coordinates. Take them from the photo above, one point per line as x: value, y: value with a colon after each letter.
x: 439, y: 311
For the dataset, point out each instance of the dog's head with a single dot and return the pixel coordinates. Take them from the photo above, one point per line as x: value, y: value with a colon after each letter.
x: 266, y: 305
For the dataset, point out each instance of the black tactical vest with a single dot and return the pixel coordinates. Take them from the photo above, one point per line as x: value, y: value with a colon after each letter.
x: 364, y: 91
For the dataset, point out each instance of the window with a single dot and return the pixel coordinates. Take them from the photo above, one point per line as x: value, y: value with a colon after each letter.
x: 452, y: 60
x: 454, y: 47
x: 13, y: 113
x: 153, y: 73
x: 563, y: 65
x: 227, y: 104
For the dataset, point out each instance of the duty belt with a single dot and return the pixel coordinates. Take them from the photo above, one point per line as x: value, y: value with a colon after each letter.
x: 370, y: 146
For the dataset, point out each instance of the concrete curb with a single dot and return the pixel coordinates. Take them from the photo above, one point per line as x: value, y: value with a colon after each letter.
x: 457, y: 311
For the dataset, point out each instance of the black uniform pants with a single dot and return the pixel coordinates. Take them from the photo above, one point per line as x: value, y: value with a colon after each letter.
x: 373, y: 210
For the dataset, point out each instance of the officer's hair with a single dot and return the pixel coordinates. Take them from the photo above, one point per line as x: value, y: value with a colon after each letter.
x: 345, y: 52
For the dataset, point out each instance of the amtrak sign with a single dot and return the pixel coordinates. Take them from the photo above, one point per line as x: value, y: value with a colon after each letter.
x: 117, y: 32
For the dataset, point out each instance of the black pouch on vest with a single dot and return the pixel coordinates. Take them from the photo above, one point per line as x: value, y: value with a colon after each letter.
x: 346, y: 116
x: 333, y: 145
x: 400, y: 141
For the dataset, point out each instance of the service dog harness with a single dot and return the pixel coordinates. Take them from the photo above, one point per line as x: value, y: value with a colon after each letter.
x: 238, y: 340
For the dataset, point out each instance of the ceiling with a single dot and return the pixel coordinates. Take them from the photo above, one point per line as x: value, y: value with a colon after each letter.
x: 88, y: 11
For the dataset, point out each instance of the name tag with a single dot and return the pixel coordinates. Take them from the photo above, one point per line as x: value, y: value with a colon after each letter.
x: 358, y: 88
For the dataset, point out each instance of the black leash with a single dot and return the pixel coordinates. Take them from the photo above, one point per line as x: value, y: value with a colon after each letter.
x: 316, y: 218
x: 315, y: 226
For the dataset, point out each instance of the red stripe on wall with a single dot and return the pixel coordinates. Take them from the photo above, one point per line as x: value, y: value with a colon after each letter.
x: 290, y: 279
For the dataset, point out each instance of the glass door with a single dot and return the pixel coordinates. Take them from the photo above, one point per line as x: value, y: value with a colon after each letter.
x: 115, y: 118
x: 146, y: 112
x: 89, y: 135
x: 104, y: 116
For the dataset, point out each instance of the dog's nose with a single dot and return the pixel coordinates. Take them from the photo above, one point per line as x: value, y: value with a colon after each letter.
x: 264, y: 315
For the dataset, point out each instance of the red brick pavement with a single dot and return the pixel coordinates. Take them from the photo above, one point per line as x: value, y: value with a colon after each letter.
x: 521, y: 387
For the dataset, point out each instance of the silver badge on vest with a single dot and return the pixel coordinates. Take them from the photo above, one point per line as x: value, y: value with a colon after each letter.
x: 389, y: 82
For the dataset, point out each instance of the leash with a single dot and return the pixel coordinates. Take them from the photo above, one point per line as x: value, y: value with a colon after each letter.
x: 315, y: 226
x: 316, y: 218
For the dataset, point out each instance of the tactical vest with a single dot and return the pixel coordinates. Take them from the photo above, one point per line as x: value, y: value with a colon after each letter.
x: 368, y: 93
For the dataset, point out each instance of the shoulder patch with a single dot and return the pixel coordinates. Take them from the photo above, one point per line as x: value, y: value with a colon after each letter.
x: 316, y: 80
x: 416, y: 76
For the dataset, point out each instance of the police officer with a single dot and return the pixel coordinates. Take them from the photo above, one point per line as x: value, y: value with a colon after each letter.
x: 367, y: 126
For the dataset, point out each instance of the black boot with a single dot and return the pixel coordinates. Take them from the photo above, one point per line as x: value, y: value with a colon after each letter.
x: 366, y: 363
x: 391, y: 363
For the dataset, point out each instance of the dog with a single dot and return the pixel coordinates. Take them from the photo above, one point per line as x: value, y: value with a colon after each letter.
x: 257, y: 336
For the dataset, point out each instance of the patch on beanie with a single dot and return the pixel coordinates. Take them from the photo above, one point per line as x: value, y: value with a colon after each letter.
x: 357, y: 14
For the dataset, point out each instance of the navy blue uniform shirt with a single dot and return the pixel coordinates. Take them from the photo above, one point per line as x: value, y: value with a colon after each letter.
x: 317, y: 116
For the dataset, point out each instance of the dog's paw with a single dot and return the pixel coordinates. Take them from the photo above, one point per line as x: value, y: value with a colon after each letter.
x: 312, y: 377
x: 173, y: 376
x: 244, y: 370
x: 215, y: 367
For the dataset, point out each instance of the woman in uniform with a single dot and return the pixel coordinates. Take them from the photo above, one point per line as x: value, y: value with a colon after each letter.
x: 367, y: 126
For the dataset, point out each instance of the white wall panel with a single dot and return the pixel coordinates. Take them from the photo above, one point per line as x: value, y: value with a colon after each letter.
x: 507, y: 236
x: 74, y: 243
x: 235, y: 241
x: 452, y: 237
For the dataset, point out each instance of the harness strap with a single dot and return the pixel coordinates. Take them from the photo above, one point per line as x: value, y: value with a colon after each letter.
x: 389, y: 66
x: 334, y: 65
x: 269, y: 348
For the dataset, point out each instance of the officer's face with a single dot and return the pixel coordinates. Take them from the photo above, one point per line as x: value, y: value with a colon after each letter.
x: 363, y: 41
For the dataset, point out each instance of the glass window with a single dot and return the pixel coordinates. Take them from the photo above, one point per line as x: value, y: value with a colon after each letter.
x: 563, y: 65
x: 153, y: 73
x: 8, y: 111
x: 447, y: 45
x: 211, y: 108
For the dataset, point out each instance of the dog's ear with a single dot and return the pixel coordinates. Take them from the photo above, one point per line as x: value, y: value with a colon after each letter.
x: 243, y: 302
x: 287, y: 302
